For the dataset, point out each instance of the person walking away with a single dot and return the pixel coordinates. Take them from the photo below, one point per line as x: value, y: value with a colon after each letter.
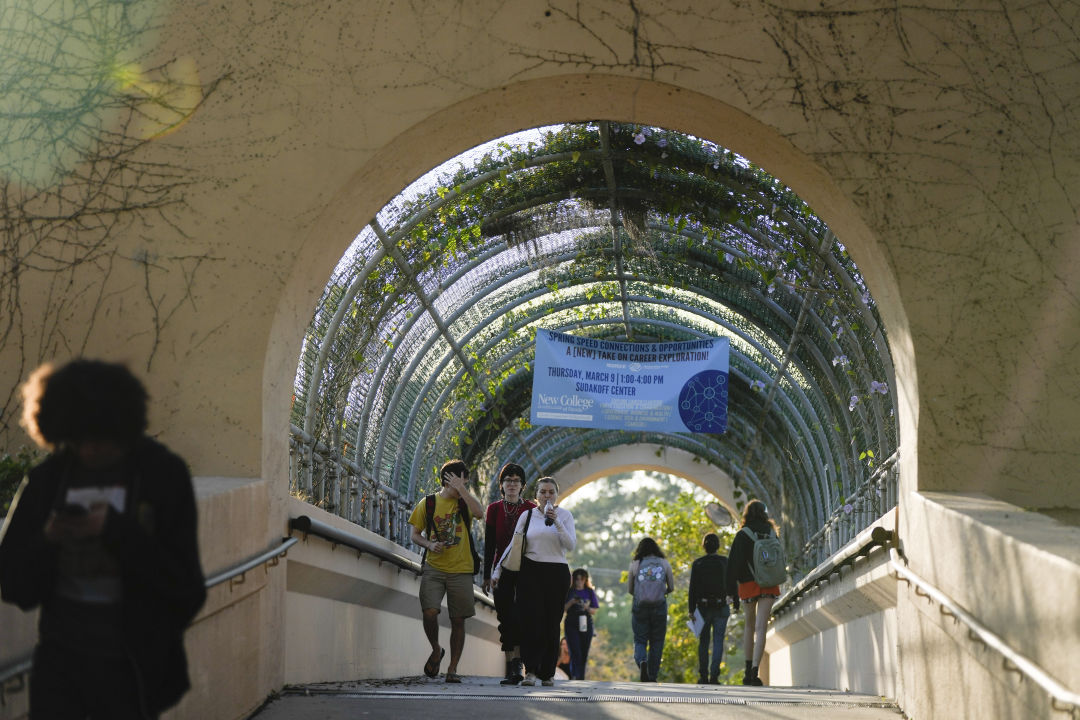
x: 741, y: 586
x: 580, y: 606
x: 543, y: 580
x: 440, y: 524
x: 707, y: 597
x: 102, y: 537
x: 499, y: 524
x: 650, y: 581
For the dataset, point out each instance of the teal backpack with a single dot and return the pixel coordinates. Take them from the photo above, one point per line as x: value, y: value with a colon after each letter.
x: 767, y: 563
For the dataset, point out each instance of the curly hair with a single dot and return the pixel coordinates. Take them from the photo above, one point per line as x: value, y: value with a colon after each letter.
x: 82, y: 400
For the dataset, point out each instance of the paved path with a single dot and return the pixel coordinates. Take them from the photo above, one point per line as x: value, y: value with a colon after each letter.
x: 483, y: 697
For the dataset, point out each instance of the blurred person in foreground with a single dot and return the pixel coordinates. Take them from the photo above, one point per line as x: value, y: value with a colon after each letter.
x: 102, y: 537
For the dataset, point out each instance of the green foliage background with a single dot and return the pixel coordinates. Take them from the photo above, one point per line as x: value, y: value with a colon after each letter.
x: 608, y: 529
x: 13, y: 468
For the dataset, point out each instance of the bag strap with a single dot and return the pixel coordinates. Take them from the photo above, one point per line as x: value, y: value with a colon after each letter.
x: 429, y: 525
x: 525, y: 531
x: 466, y: 517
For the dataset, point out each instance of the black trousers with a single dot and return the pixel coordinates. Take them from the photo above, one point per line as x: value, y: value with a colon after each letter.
x: 506, y: 608
x: 69, y: 685
x: 541, y: 592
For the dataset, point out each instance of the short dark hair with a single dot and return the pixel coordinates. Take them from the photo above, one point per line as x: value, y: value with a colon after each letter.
x: 510, y: 470
x: 711, y: 542
x: 85, y: 399
x: 455, y: 467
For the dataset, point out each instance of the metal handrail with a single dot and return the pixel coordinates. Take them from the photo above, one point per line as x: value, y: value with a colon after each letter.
x: 308, y: 526
x: 20, y: 669
x: 883, y: 477
x: 23, y: 666
x: 1012, y: 660
x: 270, y: 555
x: 864, y: 542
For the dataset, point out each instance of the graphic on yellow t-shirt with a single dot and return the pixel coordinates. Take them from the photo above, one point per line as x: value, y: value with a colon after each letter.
x: 449, y: 529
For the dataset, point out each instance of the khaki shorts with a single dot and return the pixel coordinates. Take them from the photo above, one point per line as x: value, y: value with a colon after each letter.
x: 457, y: 587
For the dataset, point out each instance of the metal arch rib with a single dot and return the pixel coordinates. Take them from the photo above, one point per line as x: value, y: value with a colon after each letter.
x: 433, y: 312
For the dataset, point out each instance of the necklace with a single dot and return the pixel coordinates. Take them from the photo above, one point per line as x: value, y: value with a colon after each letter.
x: 512, y: 515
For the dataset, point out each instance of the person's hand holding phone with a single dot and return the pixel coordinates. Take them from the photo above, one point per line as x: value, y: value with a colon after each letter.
x: 75, y: 522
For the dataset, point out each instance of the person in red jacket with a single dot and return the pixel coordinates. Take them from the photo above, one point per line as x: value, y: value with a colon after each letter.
x: 499, y: 523
x: 102, y: 537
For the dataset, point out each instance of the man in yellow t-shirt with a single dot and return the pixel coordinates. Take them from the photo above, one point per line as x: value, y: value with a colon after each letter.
x: 448, y: 566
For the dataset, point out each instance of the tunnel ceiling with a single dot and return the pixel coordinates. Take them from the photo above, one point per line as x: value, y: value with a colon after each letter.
x: 421, y: 347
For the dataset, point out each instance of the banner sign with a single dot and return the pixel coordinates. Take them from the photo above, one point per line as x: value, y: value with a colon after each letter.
x: 668, y: 387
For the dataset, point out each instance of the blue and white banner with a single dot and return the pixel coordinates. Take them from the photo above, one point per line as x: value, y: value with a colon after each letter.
x: 668, y: 387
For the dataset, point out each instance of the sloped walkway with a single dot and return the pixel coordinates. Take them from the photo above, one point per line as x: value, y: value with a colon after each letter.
x: 480, y: 697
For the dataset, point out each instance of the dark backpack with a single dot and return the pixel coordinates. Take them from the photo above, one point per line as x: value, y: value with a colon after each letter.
x: 767, y: 563
x: 463, y: 510
x: 650, y: 583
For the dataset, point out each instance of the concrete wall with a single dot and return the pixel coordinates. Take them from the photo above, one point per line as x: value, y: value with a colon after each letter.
x: 350, y: 616
x: 936, y: 141
x: 647, y: 456
x: 1018, y: 573
x: 842, y: 634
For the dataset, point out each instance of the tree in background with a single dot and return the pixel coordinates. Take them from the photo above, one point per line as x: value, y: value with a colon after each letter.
x: 608, y: 529
x: 606, y: 542
x: 678, y: 526
x: 13, y: 468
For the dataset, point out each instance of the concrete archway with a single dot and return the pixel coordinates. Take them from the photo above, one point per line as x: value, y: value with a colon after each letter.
x: 539, y: 102
x: 645, y: 456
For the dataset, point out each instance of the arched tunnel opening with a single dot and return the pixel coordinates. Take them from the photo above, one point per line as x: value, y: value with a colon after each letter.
x: 421, y: 346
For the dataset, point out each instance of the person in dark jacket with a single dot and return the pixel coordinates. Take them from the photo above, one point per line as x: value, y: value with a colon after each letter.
x: 102, y: 536
x: 499, y: 524
x: 707, y: 597
x: 741, y: 586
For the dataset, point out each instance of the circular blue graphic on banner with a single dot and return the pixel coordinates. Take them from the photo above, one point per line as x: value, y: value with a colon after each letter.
x: 703, y: 402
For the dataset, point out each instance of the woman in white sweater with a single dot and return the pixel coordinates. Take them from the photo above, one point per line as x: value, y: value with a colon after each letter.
x: 543, y: 581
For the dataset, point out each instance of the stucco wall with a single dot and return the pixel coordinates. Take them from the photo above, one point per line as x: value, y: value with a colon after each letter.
x: 350, y: 616
x: 1018, y: 573
x: 938, y: 142
x: 842, y: 633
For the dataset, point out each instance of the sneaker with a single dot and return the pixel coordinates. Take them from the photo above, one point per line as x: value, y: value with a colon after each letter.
x: 547, y: 683
x: 529, y: 680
